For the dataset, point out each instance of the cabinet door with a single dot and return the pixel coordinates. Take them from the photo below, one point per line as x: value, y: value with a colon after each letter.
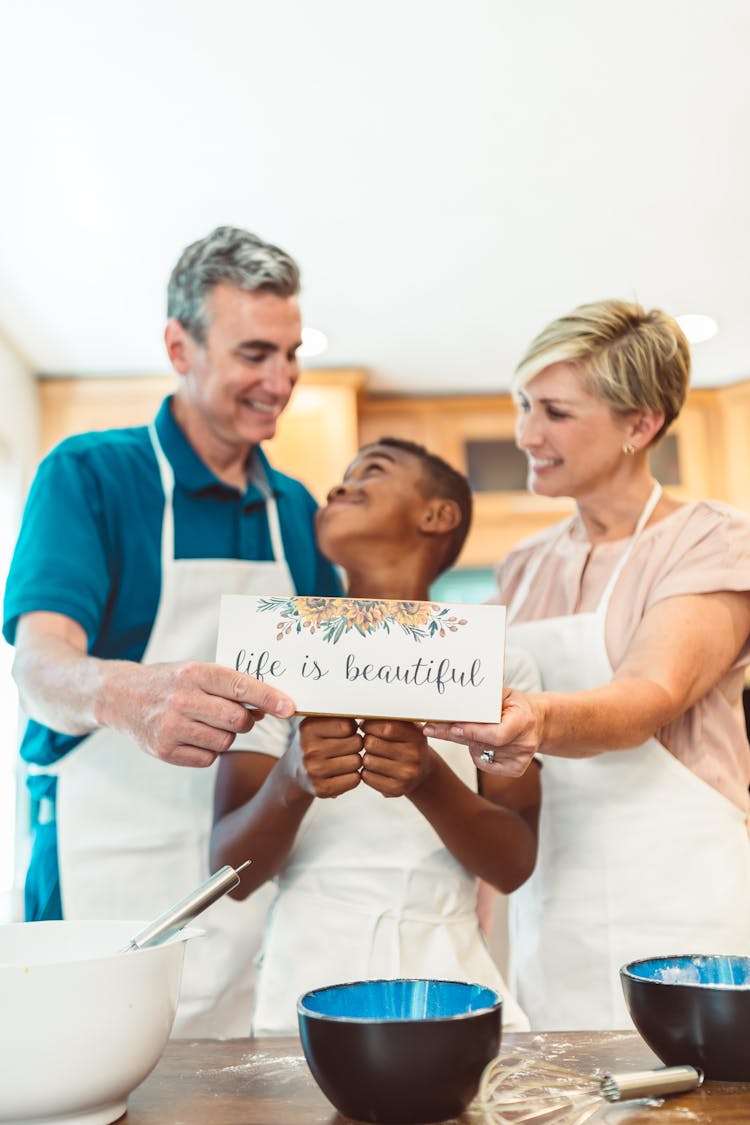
x: 686, y: 460
x: 77, y: 405
x: 730, y: 443
x: 411, y: 419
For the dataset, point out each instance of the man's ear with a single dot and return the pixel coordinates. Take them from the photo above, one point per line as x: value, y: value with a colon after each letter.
x: 440, y: 517
x: 180, y: 346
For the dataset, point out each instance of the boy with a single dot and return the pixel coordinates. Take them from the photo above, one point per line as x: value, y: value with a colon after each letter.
x: 370, y: 887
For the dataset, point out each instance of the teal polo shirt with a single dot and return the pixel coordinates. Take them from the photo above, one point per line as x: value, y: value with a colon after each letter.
x: 90, y: 540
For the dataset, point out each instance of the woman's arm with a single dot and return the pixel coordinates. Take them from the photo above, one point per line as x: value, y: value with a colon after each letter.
x: 260, y: 802
x: 682, y: 648
x: 492, y: 833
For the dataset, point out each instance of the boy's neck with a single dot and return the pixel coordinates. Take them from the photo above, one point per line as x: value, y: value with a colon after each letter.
x: 395, y: 585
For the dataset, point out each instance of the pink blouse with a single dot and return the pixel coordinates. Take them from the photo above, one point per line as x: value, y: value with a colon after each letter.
x: 699, y: 548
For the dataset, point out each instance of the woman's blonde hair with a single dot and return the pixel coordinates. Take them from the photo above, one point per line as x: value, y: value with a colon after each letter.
x: 630, y: 358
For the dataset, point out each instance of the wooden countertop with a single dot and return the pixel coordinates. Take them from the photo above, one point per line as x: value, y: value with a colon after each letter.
x: 267, y: 1082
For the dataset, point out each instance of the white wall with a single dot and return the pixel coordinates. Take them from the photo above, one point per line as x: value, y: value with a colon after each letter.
x: 19, y: 420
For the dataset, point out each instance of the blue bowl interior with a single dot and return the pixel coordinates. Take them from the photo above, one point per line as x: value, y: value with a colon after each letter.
x: 372, y: 1000
x: 709, y: 971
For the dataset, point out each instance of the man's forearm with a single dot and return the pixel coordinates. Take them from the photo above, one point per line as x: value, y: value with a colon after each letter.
x: 62, y: 687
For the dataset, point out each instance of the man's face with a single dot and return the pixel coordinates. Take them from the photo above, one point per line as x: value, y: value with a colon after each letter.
x: 379, y: 502
x: 237, y: 383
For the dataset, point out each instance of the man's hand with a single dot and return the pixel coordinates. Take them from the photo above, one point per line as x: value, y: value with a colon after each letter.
x: 188, y: 713
x: 397, y: 756
x: 329, y: 761
x: 181, y: 713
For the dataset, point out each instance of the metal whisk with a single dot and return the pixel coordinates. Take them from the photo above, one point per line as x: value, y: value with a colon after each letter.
x: 527, y: 1090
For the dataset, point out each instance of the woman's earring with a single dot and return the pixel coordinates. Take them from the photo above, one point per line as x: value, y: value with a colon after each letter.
x: 628, y: 449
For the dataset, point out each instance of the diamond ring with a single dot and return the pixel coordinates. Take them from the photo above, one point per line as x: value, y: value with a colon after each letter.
x: 487, y: 756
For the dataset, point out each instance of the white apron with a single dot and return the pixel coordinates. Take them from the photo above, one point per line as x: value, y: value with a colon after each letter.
x: 133, y: 832
x: 637, y: 855
x: 371, y: 891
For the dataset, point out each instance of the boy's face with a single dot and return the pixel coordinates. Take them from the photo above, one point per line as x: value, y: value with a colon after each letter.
x: 379, y: 502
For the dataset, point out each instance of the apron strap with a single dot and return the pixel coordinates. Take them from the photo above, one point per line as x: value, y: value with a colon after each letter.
x: 260, y: 479
x: 166, y: 473
x: 643, y: 519
x: 530, y: 573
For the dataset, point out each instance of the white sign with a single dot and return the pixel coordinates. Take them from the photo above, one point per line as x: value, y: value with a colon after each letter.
x: 370, y: 659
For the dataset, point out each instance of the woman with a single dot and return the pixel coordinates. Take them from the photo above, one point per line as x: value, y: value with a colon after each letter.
x: 637, y: 611
x: 369, y: 887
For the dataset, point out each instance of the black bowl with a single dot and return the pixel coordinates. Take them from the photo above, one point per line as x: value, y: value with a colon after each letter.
x: 400, y: 1051
x: 693, y: 1009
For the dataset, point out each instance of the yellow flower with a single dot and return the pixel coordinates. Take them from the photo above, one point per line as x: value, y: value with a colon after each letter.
x: 363, y: 615
x: 414, y: 614
x: 313, y: 611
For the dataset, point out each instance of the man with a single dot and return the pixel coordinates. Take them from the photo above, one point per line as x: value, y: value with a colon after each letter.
x: 370, y: 887
x: 128, y: 540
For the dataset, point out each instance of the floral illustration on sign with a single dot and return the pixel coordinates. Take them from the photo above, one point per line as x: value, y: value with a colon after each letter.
x: 335, y: 617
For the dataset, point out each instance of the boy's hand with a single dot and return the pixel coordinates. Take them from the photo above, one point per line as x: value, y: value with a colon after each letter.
x: 329, y: 759
x: 397, y: 756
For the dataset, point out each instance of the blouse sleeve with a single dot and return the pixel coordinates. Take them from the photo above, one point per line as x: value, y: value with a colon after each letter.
x: 711, y: 553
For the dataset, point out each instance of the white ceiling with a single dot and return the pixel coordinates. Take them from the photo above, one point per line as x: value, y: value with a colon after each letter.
x: 450, y: 173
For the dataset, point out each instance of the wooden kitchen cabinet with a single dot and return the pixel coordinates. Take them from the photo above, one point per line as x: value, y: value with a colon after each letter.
x: 315, y: 440
x: 729, y: 443
x: 454, y: 426
x: 76, y: 405
x: 705, y: 454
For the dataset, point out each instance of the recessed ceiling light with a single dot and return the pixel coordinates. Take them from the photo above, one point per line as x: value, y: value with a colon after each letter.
x: 314, y: 342
x: 697, y: 327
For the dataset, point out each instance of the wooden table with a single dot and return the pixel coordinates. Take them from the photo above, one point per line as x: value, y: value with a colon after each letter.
x: 267, y: 1082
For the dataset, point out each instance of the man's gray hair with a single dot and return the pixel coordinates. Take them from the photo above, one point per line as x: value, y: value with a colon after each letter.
x: 235, y: 257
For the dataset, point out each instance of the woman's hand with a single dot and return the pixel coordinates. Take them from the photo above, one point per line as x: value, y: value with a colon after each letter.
x: 328, y: 758
x: 506, y: 747
x: 397, y: 756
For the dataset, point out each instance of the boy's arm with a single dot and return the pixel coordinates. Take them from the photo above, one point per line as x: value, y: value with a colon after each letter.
x: 260, y: 802
x: 493, y: 833
x: 257, y: 813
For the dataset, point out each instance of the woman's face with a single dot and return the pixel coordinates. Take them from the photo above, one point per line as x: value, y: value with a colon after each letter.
x: 572, y: 439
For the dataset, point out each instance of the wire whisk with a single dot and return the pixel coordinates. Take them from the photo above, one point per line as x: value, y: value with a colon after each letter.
x: 520, y: 1089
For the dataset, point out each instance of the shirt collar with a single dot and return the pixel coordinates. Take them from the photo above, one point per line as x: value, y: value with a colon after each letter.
x: 193, y: 475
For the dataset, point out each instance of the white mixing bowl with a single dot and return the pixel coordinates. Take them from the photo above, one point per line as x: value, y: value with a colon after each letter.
x: 81, y: 1024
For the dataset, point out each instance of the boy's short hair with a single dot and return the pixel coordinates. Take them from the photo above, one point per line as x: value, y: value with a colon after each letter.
x: 439, y: 481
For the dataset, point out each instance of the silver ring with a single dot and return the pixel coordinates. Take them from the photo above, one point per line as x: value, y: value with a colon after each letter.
x: 487, y: 756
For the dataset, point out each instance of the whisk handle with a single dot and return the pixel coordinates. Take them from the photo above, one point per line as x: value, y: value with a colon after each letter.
x: 650, y: 1083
